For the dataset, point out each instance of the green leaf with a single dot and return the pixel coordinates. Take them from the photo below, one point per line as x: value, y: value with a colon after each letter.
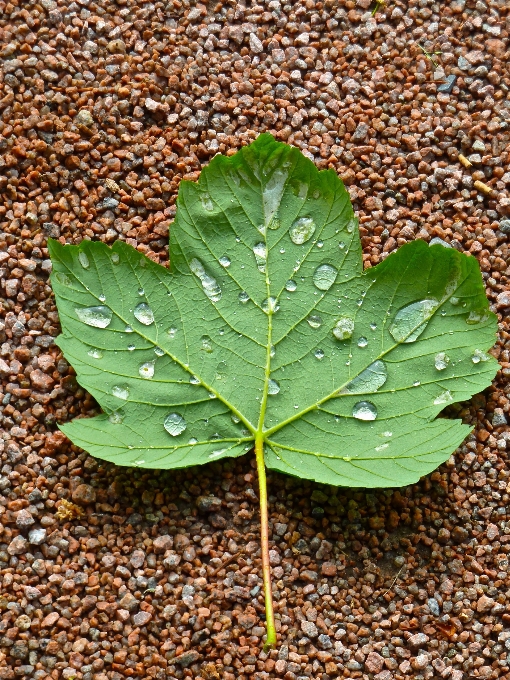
x: 266, y: 327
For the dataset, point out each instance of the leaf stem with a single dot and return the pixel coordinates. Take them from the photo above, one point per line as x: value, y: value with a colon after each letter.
x: 264, y: 540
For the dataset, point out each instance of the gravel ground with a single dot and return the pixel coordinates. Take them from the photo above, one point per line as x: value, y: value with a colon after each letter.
x: 109, y: 573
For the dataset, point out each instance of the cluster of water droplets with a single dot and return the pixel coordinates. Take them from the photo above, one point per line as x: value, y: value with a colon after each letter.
x: 478, y: 356
x: 209, y: 284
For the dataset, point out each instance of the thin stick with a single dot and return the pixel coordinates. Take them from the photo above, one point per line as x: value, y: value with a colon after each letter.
x: 227, y: 562
x: 264, y: 541
x: 394, y: 581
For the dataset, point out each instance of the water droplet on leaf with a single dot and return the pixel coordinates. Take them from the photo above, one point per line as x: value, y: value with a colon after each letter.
x: 144, y: 314
x: 84, y: 260
x: 243, y: 297
x: 362, y: 342
x: 324, y: 276
x: 209, y: 284
x: 411, y: 320
x: 273, y: 387
x: 302, y: 230
x: 260, y: 252
x: 291, y: 286
x: 270, y: 305
x: 478, y: 356
x: 444, y: 398
x: 115, y: 258
x: 319, y: 354
x: 314, y: 321
x: 174, y: 424
x: 207, y: 345
x: 441, y: 361
x: 116, y: 417
x: 120, y: 391
x: 146, y: 370
x: 158, y: 351
x: 369, y: 380
x: 364, y: 410
x: 225, y: 261
x: 95, y: 353
x: 344, y: 328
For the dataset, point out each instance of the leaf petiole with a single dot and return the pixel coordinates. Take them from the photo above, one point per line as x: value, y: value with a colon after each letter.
x: 264, y: 540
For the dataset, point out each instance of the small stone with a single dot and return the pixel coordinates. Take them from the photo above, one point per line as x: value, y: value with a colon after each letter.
x: 499, y: 418
x: 128, y: 602
x: 463, y: 63
x: 24, y: 519
x: 418, y: 640
x: 503, y: 299
x: 84, y: 493
x: 360, y: 133
x: 448, y: 85
x: 142, y: 618
x: 187, y: 658
x: 484, y: 604
x: 84, y: 117
x: 374, y: 663
x: 256, y: 45
x: 41, y: 381
x: 162, y: 543
x: 137, y: 559
x: 208, y: 503
x: 17, y: 546
x: 478, y: 145
x: 328, y: 569
x: 309, y: 629
x: 246, y: 621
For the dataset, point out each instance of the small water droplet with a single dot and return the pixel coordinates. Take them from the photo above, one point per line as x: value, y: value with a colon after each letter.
x: 475, y: 317
x: 158, y: 351
x: 174, y: 424
x: 272, y: 351
x: 216, y: 454
x: 206, y: 344
x: 115, y: 258
x: 344, y: 328
x: 320, y: 244
x: 99, y: 317
x: 270, y: 305
x: 324, y: 276
x: 387, y: 434
x: 120, y: 391
x: 221, y: 371
x: 273, y: 387
x: 302, y: 230
x: 416, y: 383
x: 347, y: 459
x: 291, y: 285
x: 319, y: 354
x: 143, y: 262
x: 373, y: 326
x: 243, y: 297
x: 131, y: 347
x: 282, y: 250
x: 139, y: 462
x: 478, y: 356
x: 454, y: 301
x: 411, y: 320
x: 144, y: 314
x: 260, y: 252
x: 314, y: 321
x: 364, y: 410
x: 351, y: 225
x: 209, y: 284
x: 221, y: 331
x: 381, y: 447
x: 102, y: 297
x: 146, y: 370
x: 95, y: 353
x: 63, y: 278
x: 194, y: 380
x: 235, y: 419
x: 116, y: 417
x: 362, y: 342
x: 341, y: 245
x: 441, y: 361
x: 171, y: 332
x: 359, y: 302
x: 193, y: 441
x: 141, y: 292
x: 128, y: 329
x: 84, y: 260
x: 225, y: 261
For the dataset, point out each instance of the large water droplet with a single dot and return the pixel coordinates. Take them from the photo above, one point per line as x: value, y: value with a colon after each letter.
x: 174, y: 424
x: 206, y: 344
x: 120, y: 391
x: 273, y: 387
x: 441, y: 361
x: 209, y: 284
x: 478, y: 356
x: 291, y: 286
x: 369, y: 380
x: 146, y: 370
x: 272, y: 193
x: 115, y: 258
x: 225, y: 261
x: 444, y: 398
x: 116, y: 417
x: 144, y: 314
x: 344, y: 328
x: 411, y: 320
x: 314, y: 321
x: 270, y: 305
x: 362, y: 342
x: 364, y: 410
x: 207, y: 204
x: 84, y: 260
x: 95, y: 353
x: 324, y: 276
x: 243, y: 297
x: 221, y: 371
x: 99, y: 317
x: 319, y: 354
x: 260, y: 252
x: 302, y: 230
x: 63, y: 278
